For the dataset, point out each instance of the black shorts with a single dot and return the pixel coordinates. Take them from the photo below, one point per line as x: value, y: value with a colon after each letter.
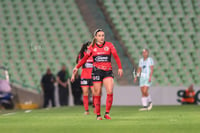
x: 98, y: 75
x: 86, y: 82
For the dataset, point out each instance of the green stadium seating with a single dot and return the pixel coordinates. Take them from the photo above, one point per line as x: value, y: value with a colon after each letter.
x: 170, y: 29
x: 37, y: 34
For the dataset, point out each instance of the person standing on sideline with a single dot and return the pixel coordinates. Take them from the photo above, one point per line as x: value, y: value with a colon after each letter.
x: 145, y: 71
x: 76, y: 89
x: 62, y: 78
x: 102, y: 74
x: 86, y: 76
x: 47, y: 84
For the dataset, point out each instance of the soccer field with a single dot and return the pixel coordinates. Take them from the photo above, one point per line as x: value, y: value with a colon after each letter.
x: 125, y: 119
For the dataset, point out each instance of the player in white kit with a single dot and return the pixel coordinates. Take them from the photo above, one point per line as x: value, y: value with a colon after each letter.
x: 145, y: 71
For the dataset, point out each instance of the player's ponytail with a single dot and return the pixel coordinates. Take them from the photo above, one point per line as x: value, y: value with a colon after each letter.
x: 93, y: 42
x: 81, y: 52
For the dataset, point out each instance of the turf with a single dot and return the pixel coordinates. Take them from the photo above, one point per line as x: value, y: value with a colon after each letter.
x: 125, y: 119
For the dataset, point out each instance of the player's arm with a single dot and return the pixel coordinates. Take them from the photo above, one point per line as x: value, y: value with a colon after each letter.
x: 73, y: 74
x: 150, y: 76
x: 73, y: 77
x: 83, y: 60
x: 137, y: 74
x: 151, y: 68
x: 117, y: 59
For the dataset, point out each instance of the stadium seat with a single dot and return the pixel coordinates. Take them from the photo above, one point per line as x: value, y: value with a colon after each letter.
x: 168, y: 26
x: 32, y: 38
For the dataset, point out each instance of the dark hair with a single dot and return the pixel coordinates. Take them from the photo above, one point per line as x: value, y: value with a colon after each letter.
x: 93, y: 42
x: 83, y: 49
x: 95, y: 33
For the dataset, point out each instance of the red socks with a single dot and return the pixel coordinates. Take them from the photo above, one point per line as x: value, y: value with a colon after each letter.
x: 109, y: 101
x: 93, y: 102
x: 85, y: 102
x: 97, y: 102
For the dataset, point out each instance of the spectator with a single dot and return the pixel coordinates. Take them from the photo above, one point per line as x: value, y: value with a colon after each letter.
x: 4, y: 84
x: 76, y: 90
x: 188, y: 96
x: 62, y: 78
x: 47, y: 84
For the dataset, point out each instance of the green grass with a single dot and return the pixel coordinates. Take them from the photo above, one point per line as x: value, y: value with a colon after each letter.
x: 162, y: 119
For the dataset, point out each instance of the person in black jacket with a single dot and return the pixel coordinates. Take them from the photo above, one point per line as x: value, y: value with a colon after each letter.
x: 62, y: 78
x: 47, y: 84
x: 76, y: 90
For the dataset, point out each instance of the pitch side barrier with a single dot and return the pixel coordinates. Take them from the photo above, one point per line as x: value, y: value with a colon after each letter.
x: 161, y: 95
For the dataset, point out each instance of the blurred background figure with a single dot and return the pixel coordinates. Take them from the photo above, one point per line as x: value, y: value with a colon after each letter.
x: 47, y: 84
x: 6, y: 97
x: 76, y: 90
x: 145, y: 71
x: 188, y: 96
x: 86, y: 77
x: 63, y: 89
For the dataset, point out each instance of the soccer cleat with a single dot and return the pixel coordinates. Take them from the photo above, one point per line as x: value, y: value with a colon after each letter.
x: 143, y: 109
x: 86, y: 113
x: 99, y: 118
x: 150, y: 106
x: 107, y: 116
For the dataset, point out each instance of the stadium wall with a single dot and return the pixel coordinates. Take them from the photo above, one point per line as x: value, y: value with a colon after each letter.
x: 25, y: 98
x: 131, y: 95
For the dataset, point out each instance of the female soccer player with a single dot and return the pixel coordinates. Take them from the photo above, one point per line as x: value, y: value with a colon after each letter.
x: 145, y: 71
x: 102, y: 70
x: 86, y: 76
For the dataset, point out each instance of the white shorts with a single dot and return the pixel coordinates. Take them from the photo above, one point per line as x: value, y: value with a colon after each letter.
x: 145, y: 82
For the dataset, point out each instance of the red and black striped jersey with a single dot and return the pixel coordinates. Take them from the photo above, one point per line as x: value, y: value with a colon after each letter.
x: 101, y: 56
x: 87, y: 68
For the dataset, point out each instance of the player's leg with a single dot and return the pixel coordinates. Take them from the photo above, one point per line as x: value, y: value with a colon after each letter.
x: 97, y: 98
x: 144, y: 98
x: 108, y: 84
x: 97, y: 83
x: 93, y: 94
x: 149, y: 100
x: 85, y: 90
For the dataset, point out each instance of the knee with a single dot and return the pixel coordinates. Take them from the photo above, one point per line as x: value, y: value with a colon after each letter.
x: 97, y: 92
x: 85, y: 93
x: 109, y: 91
x: 144, y: 94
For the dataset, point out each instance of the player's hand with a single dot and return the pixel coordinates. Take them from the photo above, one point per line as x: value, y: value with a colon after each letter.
x: 149, y: 79
x: 72, y: 78
x: 75, y: 70
x: 135, y: 79
x: 120, y: 72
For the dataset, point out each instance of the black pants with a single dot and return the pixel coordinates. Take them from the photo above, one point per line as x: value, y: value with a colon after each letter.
x: 63, y: 96
x: 49, y: 96
x: 77, y: 98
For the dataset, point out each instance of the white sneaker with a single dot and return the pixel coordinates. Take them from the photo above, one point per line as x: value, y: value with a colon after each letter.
x: 86, y: 113
x: 150, y: 106
x: 143, y: 109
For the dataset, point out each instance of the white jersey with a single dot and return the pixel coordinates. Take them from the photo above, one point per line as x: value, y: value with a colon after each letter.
x: 145, y: 67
